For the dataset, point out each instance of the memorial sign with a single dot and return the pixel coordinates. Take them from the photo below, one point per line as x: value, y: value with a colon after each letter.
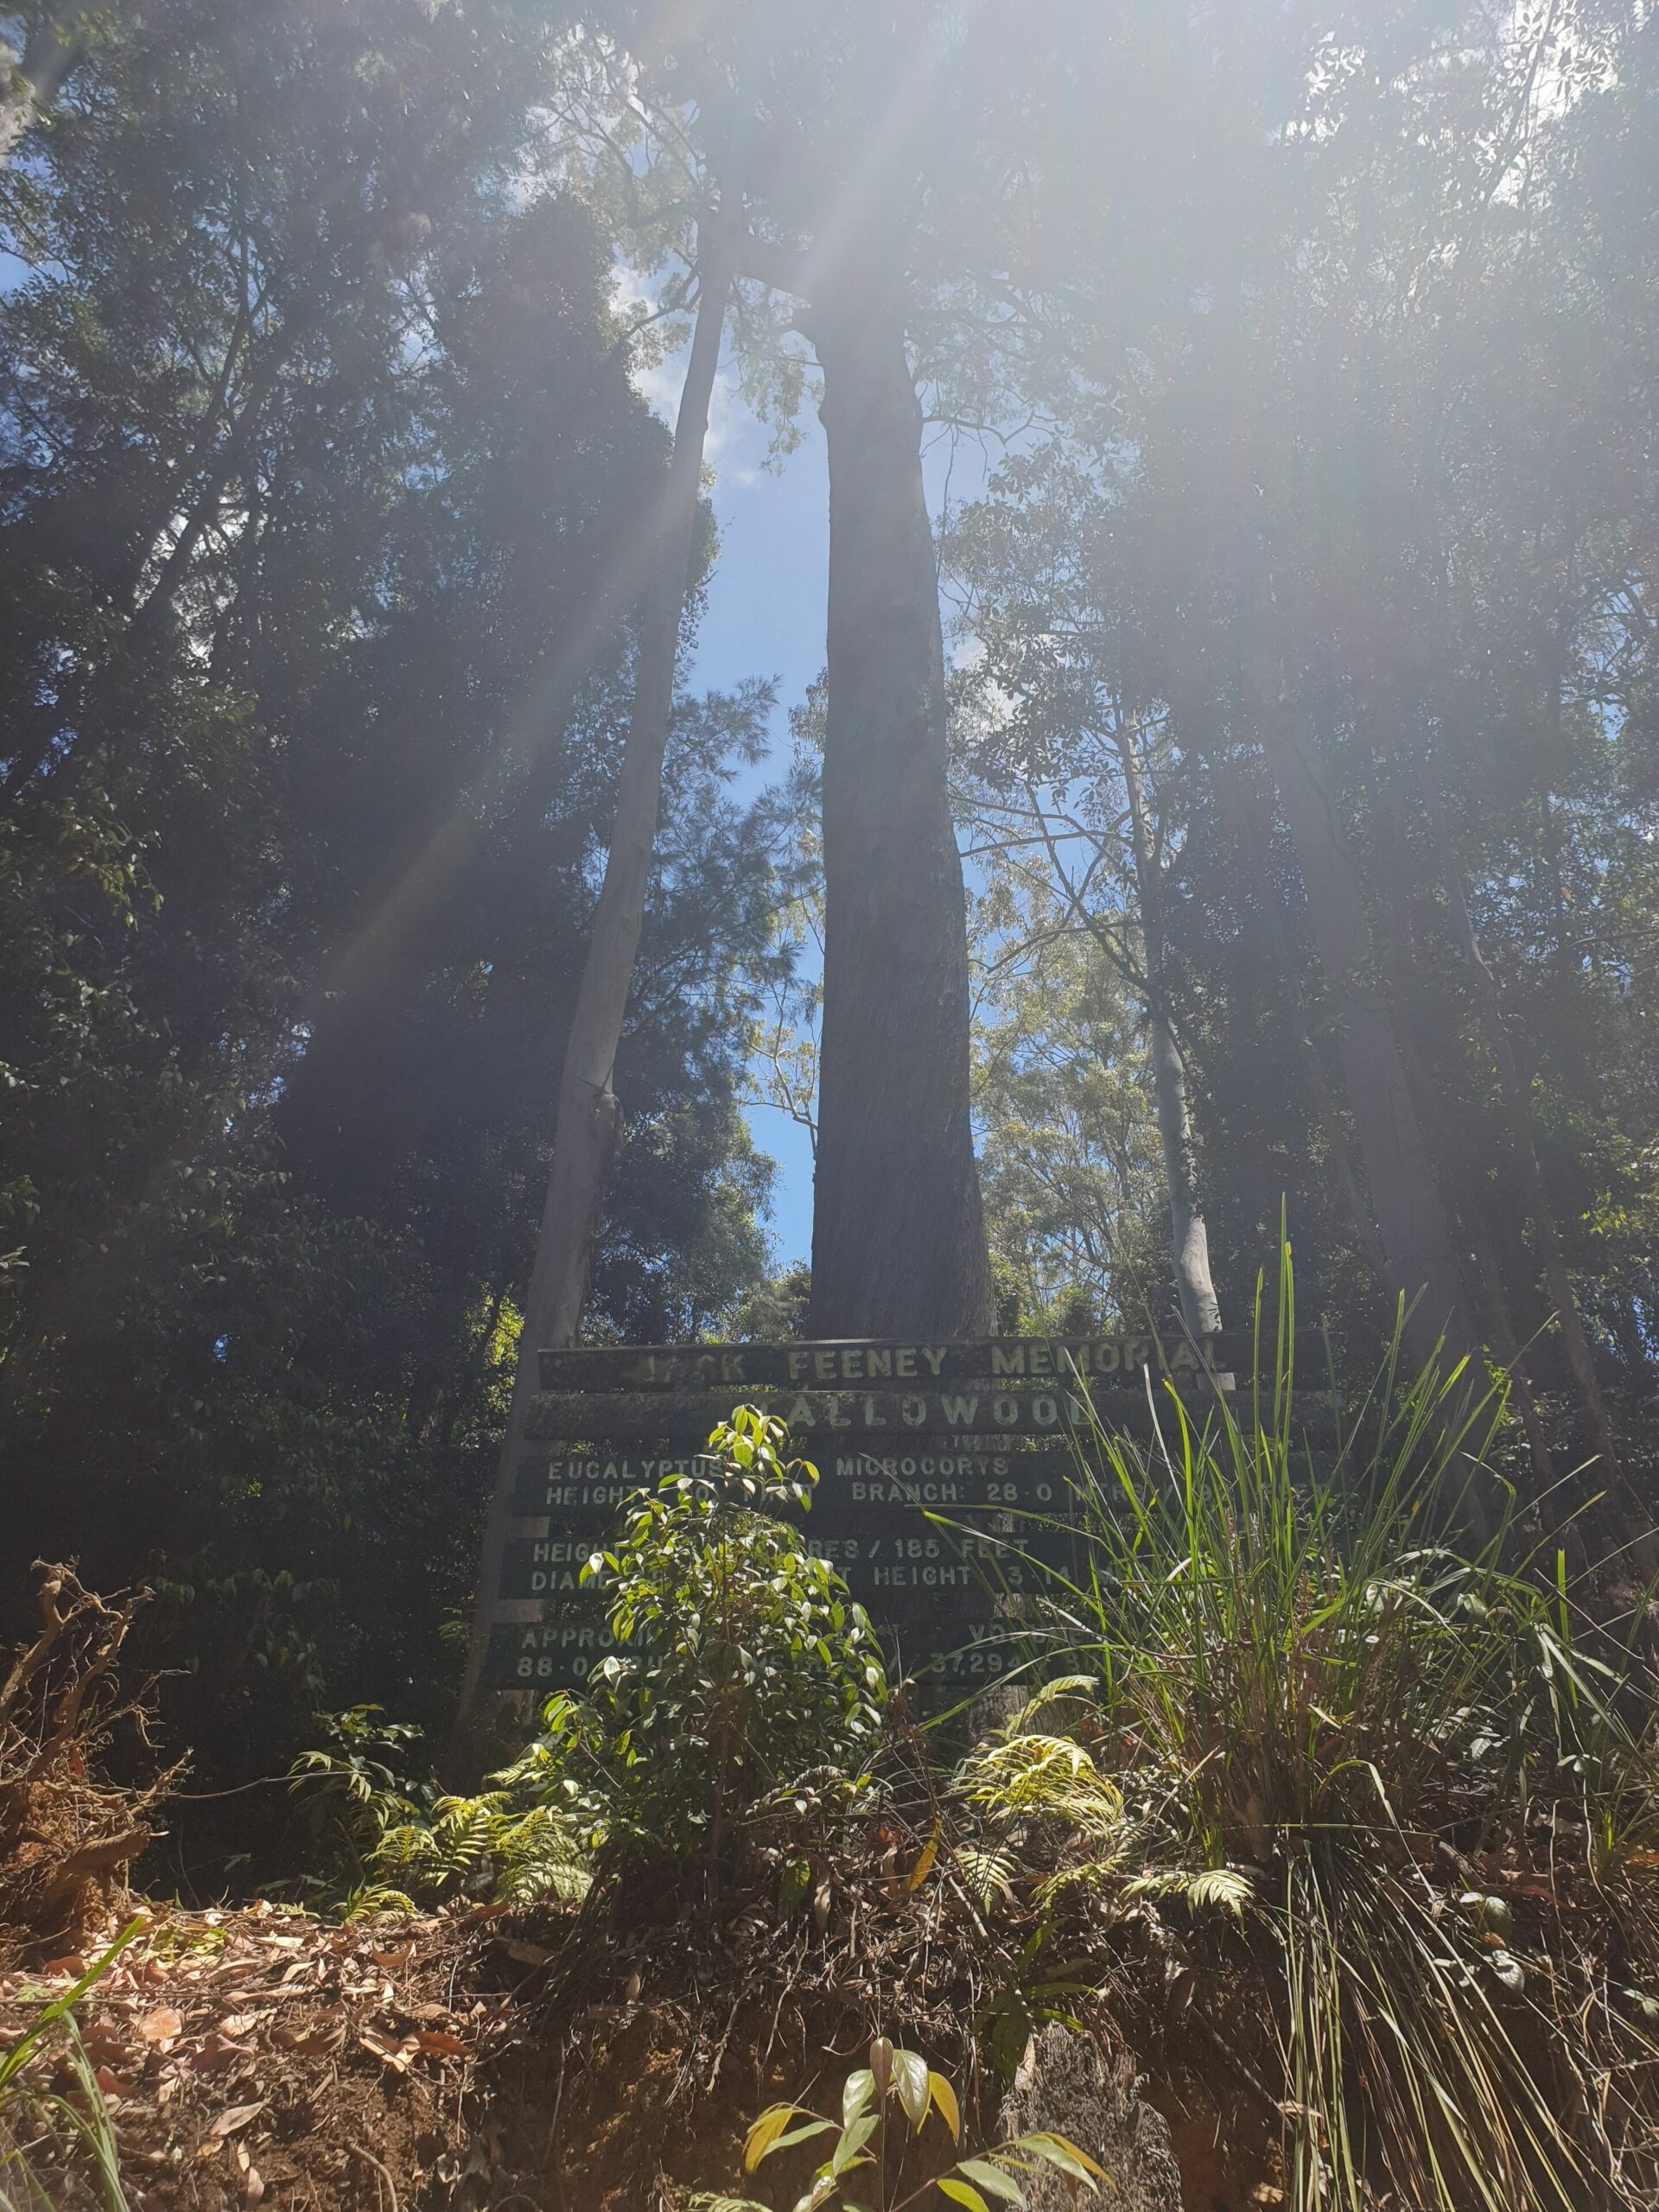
x: 946, y: 1474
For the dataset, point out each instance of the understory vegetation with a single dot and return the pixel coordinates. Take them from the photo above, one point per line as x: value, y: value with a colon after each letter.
x: 1294, y: 1777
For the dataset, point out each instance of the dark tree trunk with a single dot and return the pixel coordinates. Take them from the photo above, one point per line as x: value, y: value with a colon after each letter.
x: 897, y: 1235
x: 1515, y: 1116
x: 1411, y: 1222
x: 1322, y: 1100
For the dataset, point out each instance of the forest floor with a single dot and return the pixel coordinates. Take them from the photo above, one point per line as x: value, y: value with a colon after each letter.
x: 477, y: 2058
x: 260, y: 2056
x: 263, y: 2056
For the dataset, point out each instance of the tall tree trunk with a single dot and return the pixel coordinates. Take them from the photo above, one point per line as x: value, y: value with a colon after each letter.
x: 1320, y: 1097
x: 1411, y: 1222
x: 587, y: 1120
x: 1515, y: 1119
x: 1189, y: 1238
x: 898, y: 1234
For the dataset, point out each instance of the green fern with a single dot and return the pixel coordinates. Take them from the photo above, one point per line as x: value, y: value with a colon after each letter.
x: 986, y: 1873
x: 518, y: 1852
x: 1032, y: 1776
x: 1231, y: 1889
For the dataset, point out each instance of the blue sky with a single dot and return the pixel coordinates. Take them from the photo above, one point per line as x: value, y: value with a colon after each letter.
x: 766, y: 617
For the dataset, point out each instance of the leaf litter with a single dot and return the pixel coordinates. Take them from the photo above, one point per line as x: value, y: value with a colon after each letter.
x: 263, y: 2056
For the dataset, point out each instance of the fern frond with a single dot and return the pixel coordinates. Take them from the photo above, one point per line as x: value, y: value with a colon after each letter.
x: 1231, y: 1890
x: 986, y: 1873
x: 1043, y: 1776
x: 1082, y: 1687
x: 375, y: 1898
x: 531, y: 1851
x: 1091, y: 1872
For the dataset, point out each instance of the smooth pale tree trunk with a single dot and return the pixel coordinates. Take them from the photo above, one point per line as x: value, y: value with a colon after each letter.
x: 1189, y: 1238
x: 897, y: 1233
x: 587, y: 1116
x: 1411, y: 1222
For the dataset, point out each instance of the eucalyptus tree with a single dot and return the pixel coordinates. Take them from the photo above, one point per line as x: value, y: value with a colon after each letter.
x: 841, y: 137
x: 1361, y: 405
x: 33, y: 68
x: 587, y: 1115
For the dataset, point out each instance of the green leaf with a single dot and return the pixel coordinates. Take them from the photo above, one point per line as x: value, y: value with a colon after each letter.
x: 962, y: 2192
x: 993, y: 2179
x: 852, y: 2140
x: 1507, y: 1968
x: 910, y: 2079
x: 859, y: 2088
x: 800, y: 2134
x: 823, y: 2189
x: 1060, y: 2151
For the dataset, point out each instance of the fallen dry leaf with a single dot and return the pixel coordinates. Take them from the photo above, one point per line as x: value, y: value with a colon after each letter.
x: 218, y: 2052
x: 434, y: 2040
x: 163, y: 2027
x: 326, y: 2033
x: 253, y: 2187
x: 238, y: 2024
x: 393, y: 2052
x: 236, y: 2116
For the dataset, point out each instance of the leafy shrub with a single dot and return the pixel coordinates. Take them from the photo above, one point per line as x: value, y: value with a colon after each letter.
x: 751, y: 1689
x: 1403, y: 1767
x: 859, y: 2156
x: 751, y: 1686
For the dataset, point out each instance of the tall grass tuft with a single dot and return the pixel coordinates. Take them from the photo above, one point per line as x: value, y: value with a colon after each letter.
x: 41, y: 2128
x: 1412, y: 1790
